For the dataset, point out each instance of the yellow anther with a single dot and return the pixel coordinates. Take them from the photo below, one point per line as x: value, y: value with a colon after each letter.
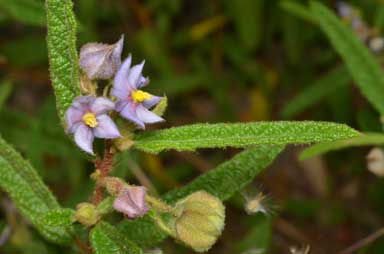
x: 90, y: 120
x: 140, y: 96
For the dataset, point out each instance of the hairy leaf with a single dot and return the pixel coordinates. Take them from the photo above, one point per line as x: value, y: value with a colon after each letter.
x: 191, y: 137
x: 319, y: 89
x: 62, y: 53
x: 223, y: 181
x: 362, y: 65
x: 366, y: 139
x: 59, y: 217
x: 30, y: 12
x: 106, y: 239
x: 28, y: 192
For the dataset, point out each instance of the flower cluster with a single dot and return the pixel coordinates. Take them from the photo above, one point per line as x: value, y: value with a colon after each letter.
x: 90, y: 116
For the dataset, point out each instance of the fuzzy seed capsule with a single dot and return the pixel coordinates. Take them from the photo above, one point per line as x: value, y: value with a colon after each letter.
x: 201, y: 220
x: 87, y: 214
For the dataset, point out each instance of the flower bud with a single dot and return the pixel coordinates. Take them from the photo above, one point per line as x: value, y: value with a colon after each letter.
x: 87, y: 214
x: 87, y: 86
x: 201, y: 220
x: 131, y: 202
x: 375, y: 160
x: 101, y: 61
x: 113, y: 185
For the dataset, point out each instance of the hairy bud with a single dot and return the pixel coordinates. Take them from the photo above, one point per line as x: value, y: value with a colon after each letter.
x: 101, y: 61
x: 201, y: 220
x: 87, y: 214
x: 131, y: 201
x: 113, y: 185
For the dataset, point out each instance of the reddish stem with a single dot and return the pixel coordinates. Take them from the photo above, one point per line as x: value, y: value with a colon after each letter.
x: 104, y: 166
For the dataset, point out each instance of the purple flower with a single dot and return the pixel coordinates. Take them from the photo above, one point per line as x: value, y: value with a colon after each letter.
x: 101, y: 61
x: 131, y: 202
x: 87, y: 118
x: 133, y: 103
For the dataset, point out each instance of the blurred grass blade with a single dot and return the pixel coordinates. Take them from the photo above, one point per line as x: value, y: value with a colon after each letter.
x: 366, y: 139
x: 298, y: 10
x: 28, y: 192
x: 206, y: 27
x: 247, y: 17
x: 361, y: 64
x: 106, y: 239
x: 191, y: 137
x: 223, y: 182
x: 314, y: 93
x: 30, y: 12
x: 25, y: 51
x: 59, y: 217
x: 62, y: 52
x: 5, y: 91
x: 258, y: 237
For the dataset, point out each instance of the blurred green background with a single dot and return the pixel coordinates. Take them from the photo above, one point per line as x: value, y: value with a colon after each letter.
x: 217, y: 61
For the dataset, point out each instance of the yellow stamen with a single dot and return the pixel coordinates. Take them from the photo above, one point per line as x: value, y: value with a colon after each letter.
x: 90, y: 120
x: 140, y: 96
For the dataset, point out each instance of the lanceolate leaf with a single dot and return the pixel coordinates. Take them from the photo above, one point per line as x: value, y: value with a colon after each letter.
x: 223, y: 181
x: 59, y: 217
x: 62, y: 52
x: 367, y: 139
x: 221, y: 135
x: 28, y: 192
x: 362, y: 65
x: 106, y: 239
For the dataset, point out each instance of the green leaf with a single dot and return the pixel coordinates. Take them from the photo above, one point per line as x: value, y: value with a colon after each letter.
x: 59, y: 217
x: 191, y: 137
x: 361, y: 64
x: 366, y: 139
x: 298, y: 10
x: 223, y: 182
x: 319, y: 89
x: 28, y: 192
x: 106, y: 239
x: 62, y: 53
x: 30, y: 12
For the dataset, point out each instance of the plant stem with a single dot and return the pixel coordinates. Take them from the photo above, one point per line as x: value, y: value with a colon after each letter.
x: 104, y: 166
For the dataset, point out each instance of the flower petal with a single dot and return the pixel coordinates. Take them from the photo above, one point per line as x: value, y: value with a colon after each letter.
x: 106, y: 128
x: 84, y: 138
x: 72, y: 117
x: 129, y: 113
x: 101, y: 61
x: 149, y: 103
x: 147, y: 116
x: 83, y: 103
x: 121, y: 87
x: 102, y: 105
x: 120, y: 104
x: 134, y: 75
x: 143, y: 81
